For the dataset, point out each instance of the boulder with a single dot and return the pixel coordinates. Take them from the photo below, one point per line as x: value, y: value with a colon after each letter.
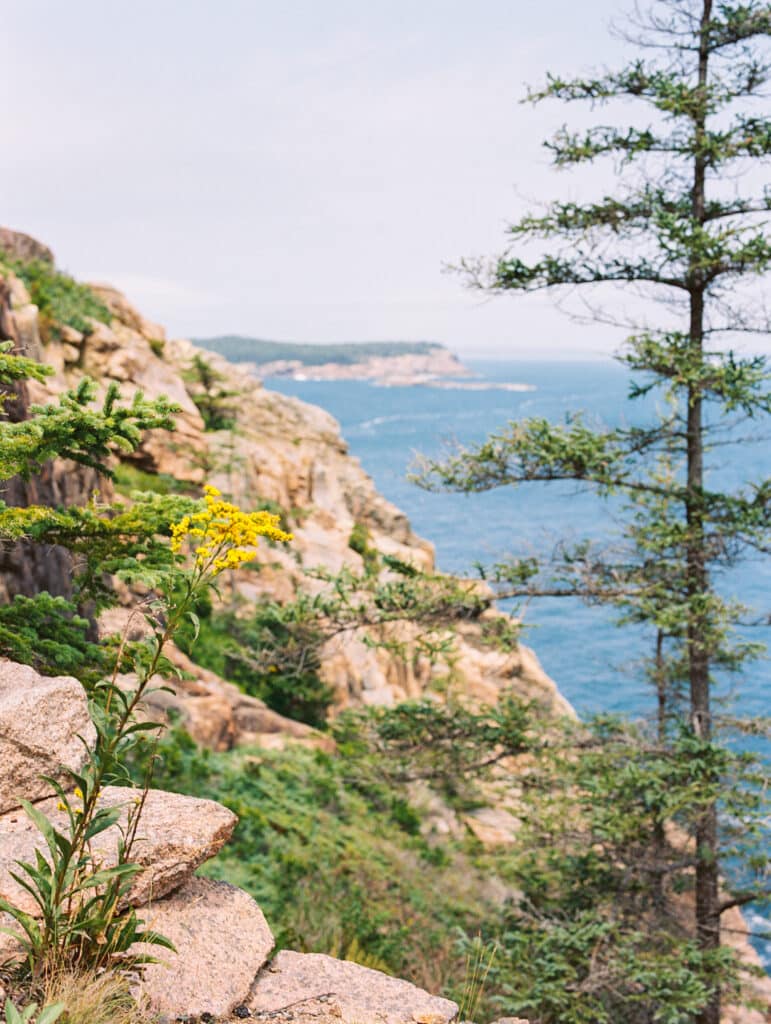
x: 493, y: 826
x: 176, y: 834
x: 23, y: 247
x: 299, y: 987
x: 756, y: 985
x: 222, y: 940
x: 41, y: 720
x: 122, y: 310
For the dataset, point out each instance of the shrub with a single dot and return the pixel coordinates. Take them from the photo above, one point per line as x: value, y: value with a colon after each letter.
x: 213, y: 400
x: 130, y: 478
x: 272, y: 654
x: 48, y: 633
x: 359, y: 541
x: 60, y: 299
x: 331, y: 863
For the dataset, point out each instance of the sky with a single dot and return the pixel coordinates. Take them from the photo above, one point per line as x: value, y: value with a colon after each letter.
x: 302, y: 170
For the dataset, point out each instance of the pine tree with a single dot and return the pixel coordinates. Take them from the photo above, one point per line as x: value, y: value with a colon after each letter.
x: 683, y: 225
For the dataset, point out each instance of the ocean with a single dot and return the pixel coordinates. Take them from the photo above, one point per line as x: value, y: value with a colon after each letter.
x: 595, y: 664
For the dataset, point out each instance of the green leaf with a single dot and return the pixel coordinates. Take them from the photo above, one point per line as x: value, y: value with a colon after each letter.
x: 12, y: 1015
x: 42, y: 824
x: 51, y: 1013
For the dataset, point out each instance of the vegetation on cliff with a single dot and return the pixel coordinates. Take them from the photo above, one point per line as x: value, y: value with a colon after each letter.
x: 61, y: 300
x: 582, y: 861
x: 81, y: 921
x: 372, y: 853
x: 274, y: 650
x: 676, y: 229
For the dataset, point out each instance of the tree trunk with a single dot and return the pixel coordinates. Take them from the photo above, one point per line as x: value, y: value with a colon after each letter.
x: 707, y: 916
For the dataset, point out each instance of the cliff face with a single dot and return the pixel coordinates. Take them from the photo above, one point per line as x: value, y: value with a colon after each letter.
x: 288, y: 452
x: 27, y: 568
x: 281, y: 450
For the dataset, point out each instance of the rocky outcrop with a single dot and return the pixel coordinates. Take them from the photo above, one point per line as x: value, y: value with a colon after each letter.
x: 303, y: 987
x: 388, y: 371
x: 119, y: 353
x: 44, y: 724
x: 281, y: 450
x: 23, y: 247
x: 221, y: 941
x: 758, y: 985
x: 292, y: 454
x: 221, y: 938
x: 176, y: 834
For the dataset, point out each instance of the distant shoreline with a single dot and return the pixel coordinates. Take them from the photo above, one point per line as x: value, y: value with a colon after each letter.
x: 384, y: 364
x: 388, y: 363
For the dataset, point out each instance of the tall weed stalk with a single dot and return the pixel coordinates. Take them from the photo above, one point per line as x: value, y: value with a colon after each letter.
x: 83, y: 921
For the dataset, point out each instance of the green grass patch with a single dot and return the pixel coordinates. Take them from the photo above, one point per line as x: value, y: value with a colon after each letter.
x: 130, y: 478
x: 61, y: 300
x: 336, y: 868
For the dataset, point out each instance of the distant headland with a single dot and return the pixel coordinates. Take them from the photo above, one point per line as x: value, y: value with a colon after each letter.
x: 386, y: 363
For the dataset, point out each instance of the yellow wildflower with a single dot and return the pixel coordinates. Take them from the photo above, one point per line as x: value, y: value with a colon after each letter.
x: 227, y: 535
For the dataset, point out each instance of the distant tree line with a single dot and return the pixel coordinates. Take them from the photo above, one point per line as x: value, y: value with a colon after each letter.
x: 253, y: 350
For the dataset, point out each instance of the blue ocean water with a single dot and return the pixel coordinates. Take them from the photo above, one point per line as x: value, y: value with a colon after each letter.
x: 594, y: 663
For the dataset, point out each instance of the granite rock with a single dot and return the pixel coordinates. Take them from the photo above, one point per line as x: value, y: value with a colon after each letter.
x: 175, y: 834
x: 300, y: 987
x: 44, y: 722
x: 222, y: 940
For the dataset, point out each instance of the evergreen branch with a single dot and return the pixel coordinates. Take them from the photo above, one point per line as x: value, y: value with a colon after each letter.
x: 747, y: 137
x: 649, y: 207
x: 74, y: 429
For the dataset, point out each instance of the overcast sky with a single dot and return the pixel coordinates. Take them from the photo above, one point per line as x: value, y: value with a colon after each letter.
x: 300, y: 169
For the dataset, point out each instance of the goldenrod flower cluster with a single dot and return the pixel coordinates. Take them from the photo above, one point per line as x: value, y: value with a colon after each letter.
x: 61, y: 806
x: 226, y: 536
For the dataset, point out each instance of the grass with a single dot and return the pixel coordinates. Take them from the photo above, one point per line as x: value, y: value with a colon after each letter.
x: 130, y: 478
x: 336, y: 862
x: 94, y: 999
x: 479, y: 960
x: 61, y: 300
x: 81, y: 998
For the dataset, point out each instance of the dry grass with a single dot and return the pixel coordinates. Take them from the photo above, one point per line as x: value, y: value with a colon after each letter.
x: 90, y: 999
x: 479, y: 960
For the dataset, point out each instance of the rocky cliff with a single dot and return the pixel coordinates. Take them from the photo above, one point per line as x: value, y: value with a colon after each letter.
x: 284, y: 451
x: 277, y: 449
x: 221, y: 967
